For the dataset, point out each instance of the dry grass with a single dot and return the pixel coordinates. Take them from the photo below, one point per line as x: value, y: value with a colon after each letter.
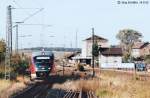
x: 2, y: 67
x: 4, y: 84
x: 121, y: 85
x: 8, y: 88
x: 111, y: 84
x: 85, y: 85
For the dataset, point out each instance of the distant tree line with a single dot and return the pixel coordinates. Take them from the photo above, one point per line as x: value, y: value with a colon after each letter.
x: 54, y: 49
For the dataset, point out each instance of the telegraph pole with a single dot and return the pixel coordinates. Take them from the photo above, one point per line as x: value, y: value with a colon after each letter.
x: 16, y: 42
x: 10, y: 25
x: 76, y: 42
x: 16, y: 39
x: 92, y: 52
x: 8, y: 43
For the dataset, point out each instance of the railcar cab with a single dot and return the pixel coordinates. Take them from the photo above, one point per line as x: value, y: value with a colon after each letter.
x: 42, y: 63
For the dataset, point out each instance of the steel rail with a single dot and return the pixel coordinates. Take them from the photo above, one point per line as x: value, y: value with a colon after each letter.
x: 71, y: 94
x: 80, y: 94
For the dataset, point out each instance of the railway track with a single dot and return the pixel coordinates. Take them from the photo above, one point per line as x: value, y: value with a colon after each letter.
x: 36, y: 91
x: 79, y: 94
x: 43, y: 89
x: 72, y: 94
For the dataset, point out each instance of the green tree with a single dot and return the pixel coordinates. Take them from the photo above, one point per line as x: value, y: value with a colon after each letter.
x: 2, y: 57
x: 2, y: 50
x: 95, y: 50
x: 127, y: 38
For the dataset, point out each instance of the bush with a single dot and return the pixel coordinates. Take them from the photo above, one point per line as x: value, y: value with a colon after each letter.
x: 19, y: 64
x: 80, y: 67
x: 2, y: 70
x: 2, y: 75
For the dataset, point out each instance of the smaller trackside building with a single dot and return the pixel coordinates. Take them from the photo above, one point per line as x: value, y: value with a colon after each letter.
x: 110, y: 57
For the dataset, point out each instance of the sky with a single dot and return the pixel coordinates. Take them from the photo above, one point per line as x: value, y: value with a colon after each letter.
x: 63, y: 18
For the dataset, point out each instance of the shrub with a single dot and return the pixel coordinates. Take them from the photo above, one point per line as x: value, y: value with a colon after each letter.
x: 80, y: 67
x: 19, y: 64
x: 2, y: 75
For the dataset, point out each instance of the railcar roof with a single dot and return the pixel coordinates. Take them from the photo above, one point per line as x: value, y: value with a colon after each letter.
x: 38, y: 53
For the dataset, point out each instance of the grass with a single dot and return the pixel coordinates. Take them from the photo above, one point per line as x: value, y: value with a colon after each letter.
x: 2, y: 70
x: 8, y: 88
x: 121, y: 85
x: 111, y: 84
x: 4, y: 84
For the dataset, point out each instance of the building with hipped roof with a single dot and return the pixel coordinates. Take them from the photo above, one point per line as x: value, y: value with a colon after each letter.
x: 140, y: 49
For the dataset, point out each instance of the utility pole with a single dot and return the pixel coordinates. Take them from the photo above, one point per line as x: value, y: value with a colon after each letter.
x: 92, y: 52
x: 16, y: 43
x: 21, y: 22
x: 51, y: 44
x: 71, y: 44
x: 63, y: 67
x: 10, y: 25
x: 8, y: 43
x: 76, y: 42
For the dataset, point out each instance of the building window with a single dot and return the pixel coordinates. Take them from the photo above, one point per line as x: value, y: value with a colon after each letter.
x: 115, y: 61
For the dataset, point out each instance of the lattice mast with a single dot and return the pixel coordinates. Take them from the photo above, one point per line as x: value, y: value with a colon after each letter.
x: 8, y: 42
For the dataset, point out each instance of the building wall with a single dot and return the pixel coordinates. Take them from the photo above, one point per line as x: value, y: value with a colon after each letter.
x: 110, y: 59
x: 84, y: 50
x: 87, y: 47
x: 145, y: 51
x: 141, y: 52
x: 136, y: 52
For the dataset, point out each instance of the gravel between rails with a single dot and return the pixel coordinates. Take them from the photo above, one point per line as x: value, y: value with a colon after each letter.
x: 32, y: 92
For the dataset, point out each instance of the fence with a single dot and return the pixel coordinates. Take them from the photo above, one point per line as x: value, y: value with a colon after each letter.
x: 118, y: 65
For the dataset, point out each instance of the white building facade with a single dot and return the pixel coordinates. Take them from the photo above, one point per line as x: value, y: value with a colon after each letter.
x: 110, y: 59
x: 87, y: 45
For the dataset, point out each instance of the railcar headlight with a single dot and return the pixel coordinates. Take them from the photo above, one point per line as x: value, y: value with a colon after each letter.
x: 36, y: 69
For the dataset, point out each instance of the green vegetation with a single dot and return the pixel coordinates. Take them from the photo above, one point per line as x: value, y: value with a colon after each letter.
x: 127, y: 38
x: 2, y: 50
x: 19, y: 64
x: 2, y: 70
x: 95, y: 50
x: 103, y: 93
x: 2, y: 57
x: 80, y: 67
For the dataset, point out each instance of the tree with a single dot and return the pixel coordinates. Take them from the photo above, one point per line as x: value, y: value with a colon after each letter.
x: 127, y: 38
x: 95, y: 52
x: 2, y: 50
x: 95, y: 49
x: 2, y: 45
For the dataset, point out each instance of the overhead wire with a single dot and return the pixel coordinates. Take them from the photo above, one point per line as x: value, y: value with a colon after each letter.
x: 3, y: 2
x: 30, y: 15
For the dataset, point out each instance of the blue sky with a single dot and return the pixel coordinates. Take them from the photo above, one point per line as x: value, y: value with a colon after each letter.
x: 69, y: 16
